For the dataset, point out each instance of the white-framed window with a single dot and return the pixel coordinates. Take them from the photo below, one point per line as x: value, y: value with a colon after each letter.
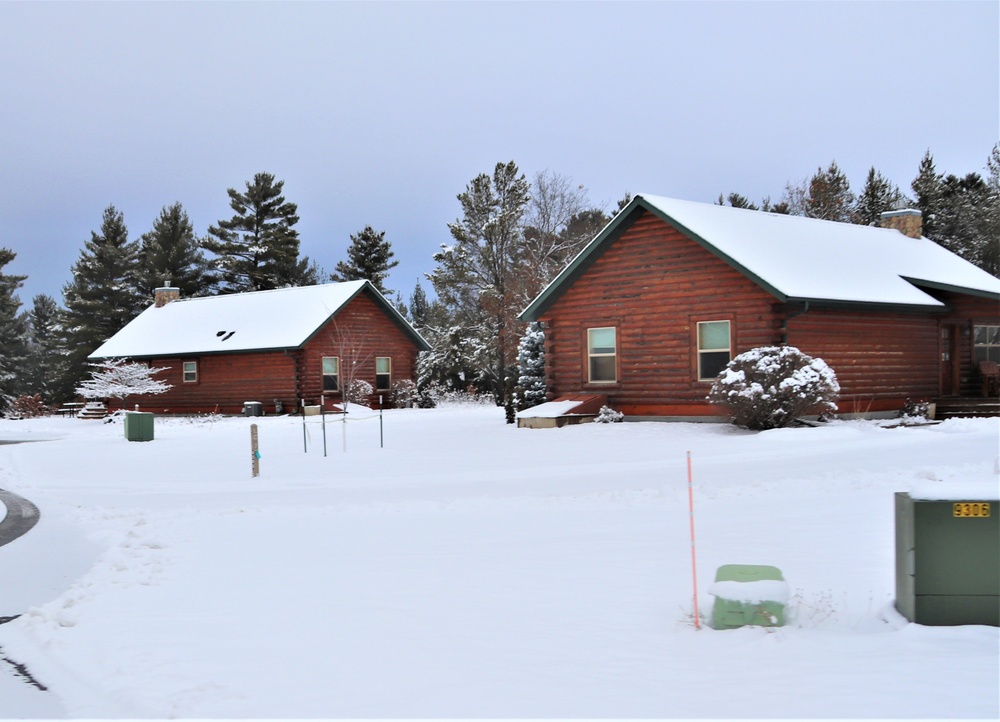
x: 190, y: 372
x: 602, y: 355
x: 986, y: 343
x: 331, y: 373
x: 383, y: 373
x: 714, y: 348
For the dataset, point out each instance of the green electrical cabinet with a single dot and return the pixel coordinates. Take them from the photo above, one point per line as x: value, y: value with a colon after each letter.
x: 947, y: 560
x: 748, y: 595
x: 138, y: 426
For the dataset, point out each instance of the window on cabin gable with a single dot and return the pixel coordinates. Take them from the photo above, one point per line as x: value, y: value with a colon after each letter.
x: 383, y: 373
x: 331, y: 373
x: 602, y: 355
x: 714, y: 348
x: 190, y: 372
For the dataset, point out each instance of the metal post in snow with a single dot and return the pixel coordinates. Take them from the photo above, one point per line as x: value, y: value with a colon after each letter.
x: 381, y: 443
x: 694, y: 565
x: 254, y: 451
x: 305, y: 446
x: 322, y: 419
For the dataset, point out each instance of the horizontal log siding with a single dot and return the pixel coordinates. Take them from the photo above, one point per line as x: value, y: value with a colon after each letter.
x: 654, y: 284
x: 365, y: 328
x: 880, y: 359
x: 226, y: 381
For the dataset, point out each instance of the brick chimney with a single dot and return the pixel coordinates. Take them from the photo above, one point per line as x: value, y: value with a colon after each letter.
x: 165, y: 294
x: 907, y: 221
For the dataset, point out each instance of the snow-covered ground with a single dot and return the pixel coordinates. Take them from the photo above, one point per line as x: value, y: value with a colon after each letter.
x: 471, y: 569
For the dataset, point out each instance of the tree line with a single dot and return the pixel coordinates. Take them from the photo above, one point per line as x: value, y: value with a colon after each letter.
x: 510, y: 239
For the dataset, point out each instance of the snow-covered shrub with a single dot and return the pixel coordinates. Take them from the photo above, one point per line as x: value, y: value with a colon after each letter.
x: 116, y: 378
x: 27, y: 407
x: 608, y: 415
x: 531, y: 367
x: 771, y: 386
x: 437, y: 394
x: 358, y: 391
x: 403, y: 394
x: 914, y: 410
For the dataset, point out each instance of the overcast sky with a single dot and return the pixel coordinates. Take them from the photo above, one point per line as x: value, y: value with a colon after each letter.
x: 380, y: 113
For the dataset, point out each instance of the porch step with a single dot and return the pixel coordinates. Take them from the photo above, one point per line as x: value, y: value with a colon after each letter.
x: 967, y: 408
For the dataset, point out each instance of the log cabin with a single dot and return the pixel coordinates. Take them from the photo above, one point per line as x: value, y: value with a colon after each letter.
x: 656, y: 305
x: 285, y: 348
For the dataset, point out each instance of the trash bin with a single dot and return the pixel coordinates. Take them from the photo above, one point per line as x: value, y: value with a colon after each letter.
x: 138, y: 426
x: 253, y: 408
x: 748, y: 595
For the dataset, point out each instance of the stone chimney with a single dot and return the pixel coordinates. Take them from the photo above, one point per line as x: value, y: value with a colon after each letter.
x: 907, y: 221
x: 165, y: 294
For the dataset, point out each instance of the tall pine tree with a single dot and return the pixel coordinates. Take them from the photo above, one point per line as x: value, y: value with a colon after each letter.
x: 369, y: 257
x: 12, y: 337
x: 478, y: 278
x: 170, y: 252
x: 46, y: 364
x: 105, y: 293
x: 258, y: 248
x: 877, y: 196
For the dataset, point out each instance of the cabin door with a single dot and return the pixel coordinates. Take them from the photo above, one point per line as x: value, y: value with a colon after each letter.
x: 949, y: 359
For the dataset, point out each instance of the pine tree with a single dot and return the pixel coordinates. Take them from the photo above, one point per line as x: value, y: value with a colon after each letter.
x: 829, y: 195
x: 927, y: 191
x: 369, y: 257
x: 531, y: 363
x: 46, y: 364
x: 105, y: 293
x: 479, y: 277
x: 877, y: 196
x: 258, y: 248
x: 419, y: 307
x: 13, y: 351
x: 170, y: 252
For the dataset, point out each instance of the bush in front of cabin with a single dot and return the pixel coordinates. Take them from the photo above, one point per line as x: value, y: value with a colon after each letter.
x: 772, y: 386
x: 359, y: 391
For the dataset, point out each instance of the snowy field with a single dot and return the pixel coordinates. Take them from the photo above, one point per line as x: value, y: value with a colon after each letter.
x: 471, y: 569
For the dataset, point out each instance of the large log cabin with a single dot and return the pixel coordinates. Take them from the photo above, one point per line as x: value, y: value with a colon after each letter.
x: 283, y: 348
x: 646, y: 316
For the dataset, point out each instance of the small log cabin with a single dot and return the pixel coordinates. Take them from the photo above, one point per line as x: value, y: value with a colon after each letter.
x: 281, y: 348
x: 658, y: 303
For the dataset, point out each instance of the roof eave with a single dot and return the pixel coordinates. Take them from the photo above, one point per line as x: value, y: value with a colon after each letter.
x: 964, y: 290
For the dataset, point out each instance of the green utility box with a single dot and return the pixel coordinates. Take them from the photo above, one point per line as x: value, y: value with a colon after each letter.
x: 748, y: 595
x: 138, y: 426
x: 947, y: 560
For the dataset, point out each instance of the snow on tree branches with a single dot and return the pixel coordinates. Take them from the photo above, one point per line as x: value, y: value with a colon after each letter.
x: 117, y: 378
x: 771, y: 386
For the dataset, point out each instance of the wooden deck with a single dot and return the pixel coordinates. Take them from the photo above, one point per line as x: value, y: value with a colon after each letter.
x: 959, y: 408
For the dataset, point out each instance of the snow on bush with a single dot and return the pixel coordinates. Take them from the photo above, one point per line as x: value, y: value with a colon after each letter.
x: 531, y: 367
x: 358, y: 391
x: 404, y: 394
x: 27, y: 407
x: 608, y: 415
x: 771, y: 386
x: 117, y: 378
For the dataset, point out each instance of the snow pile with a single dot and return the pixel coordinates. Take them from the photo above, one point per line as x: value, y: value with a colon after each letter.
x: 755, y: 592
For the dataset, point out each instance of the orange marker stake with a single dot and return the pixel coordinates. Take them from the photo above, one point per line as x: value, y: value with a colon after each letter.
x: 694, y: 565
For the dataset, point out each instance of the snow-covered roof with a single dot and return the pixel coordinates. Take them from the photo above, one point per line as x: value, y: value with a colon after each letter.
x: 278, y: 319
x: 802, y: 259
